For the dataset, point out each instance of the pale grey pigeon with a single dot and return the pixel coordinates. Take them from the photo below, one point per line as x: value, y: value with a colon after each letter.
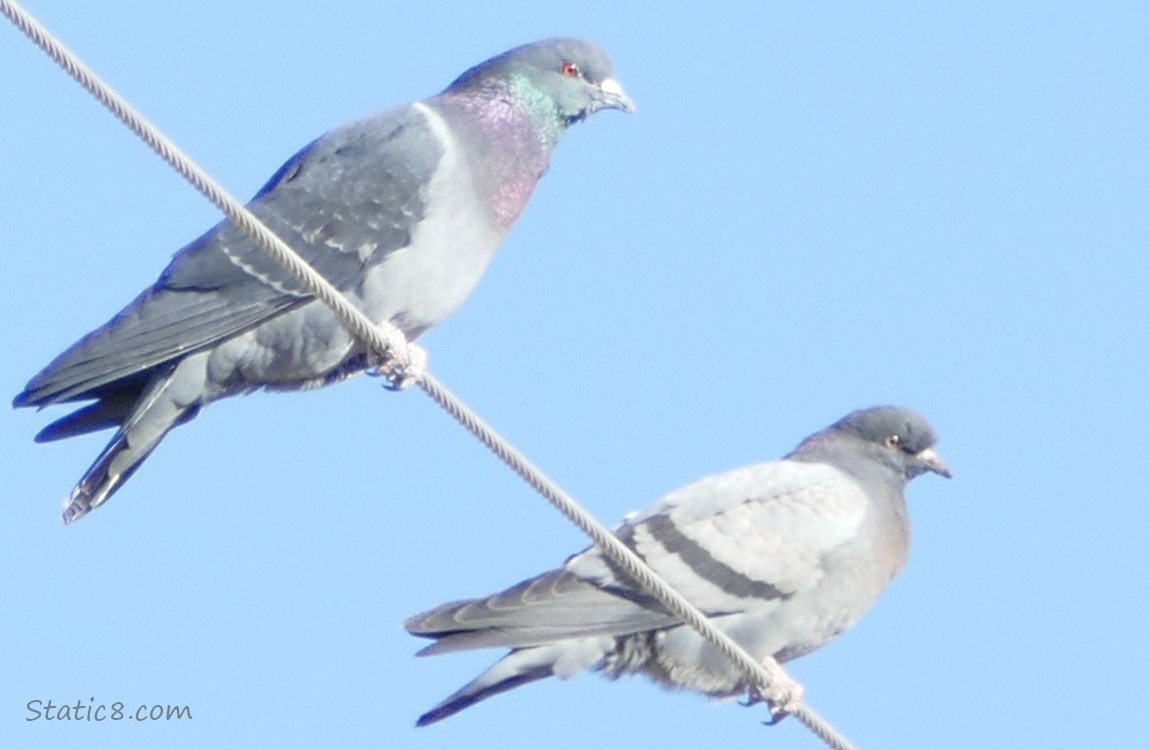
x: 782, y: 556
x: 402, y: 211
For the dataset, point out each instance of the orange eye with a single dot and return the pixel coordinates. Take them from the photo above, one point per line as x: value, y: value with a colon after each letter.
x: 570, y: 69
x: 891, y: 441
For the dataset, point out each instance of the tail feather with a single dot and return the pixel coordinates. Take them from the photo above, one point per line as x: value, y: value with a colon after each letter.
x: 153, y: 415
x: 556, y: 624
x: 101, y: 480
x: 492, y: 682
x: 562, y: 659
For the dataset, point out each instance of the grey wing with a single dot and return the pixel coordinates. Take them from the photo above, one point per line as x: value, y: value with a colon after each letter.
x: 345, y: 202
x: 555, y: 606
x: 742, y: 539
x: 727, y: 543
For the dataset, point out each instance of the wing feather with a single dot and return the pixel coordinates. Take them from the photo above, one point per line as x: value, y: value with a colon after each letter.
x: 344, y: 202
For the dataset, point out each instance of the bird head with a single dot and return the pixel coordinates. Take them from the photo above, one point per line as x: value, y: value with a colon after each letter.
x: 895, y: 437
x: 572, y: 76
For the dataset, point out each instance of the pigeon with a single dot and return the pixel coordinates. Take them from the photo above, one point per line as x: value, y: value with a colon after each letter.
x: 782, y: 556
x: 402, y: 211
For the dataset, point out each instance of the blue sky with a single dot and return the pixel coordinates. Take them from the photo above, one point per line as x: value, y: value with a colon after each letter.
x: 816, y: 208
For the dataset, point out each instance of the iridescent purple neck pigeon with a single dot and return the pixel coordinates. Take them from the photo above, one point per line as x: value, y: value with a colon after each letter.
x: 782, y: 556
x: 402, y: 211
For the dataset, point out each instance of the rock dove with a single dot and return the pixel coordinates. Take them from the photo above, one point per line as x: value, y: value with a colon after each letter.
x: 402, y: 211
x: 783, y: 556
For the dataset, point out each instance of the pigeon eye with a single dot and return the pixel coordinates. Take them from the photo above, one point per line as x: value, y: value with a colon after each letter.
x: 570, y: 69
x: 894, y: 441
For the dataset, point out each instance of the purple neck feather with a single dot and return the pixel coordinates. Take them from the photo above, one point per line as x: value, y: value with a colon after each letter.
x: 509, y: 144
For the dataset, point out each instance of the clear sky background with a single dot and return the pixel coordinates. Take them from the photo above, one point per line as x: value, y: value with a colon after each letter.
x: 818, y: 207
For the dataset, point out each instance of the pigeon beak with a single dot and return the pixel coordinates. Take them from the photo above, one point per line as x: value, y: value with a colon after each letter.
x: 612, y: 96
x: 933, y: 462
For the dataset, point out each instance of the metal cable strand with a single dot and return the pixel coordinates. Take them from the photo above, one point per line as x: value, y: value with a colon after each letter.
x: 387, y: 339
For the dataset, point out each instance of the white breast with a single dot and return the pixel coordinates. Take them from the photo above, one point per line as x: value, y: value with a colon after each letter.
x: 423, y: 283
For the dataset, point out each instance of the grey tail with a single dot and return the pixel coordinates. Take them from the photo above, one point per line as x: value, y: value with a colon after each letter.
x: 151, y: 417
x: 478, y: 690
x: 100, y: 482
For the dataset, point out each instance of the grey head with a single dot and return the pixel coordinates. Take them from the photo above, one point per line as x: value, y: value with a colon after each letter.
x: 892, y: 438
x: 571, y: 78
